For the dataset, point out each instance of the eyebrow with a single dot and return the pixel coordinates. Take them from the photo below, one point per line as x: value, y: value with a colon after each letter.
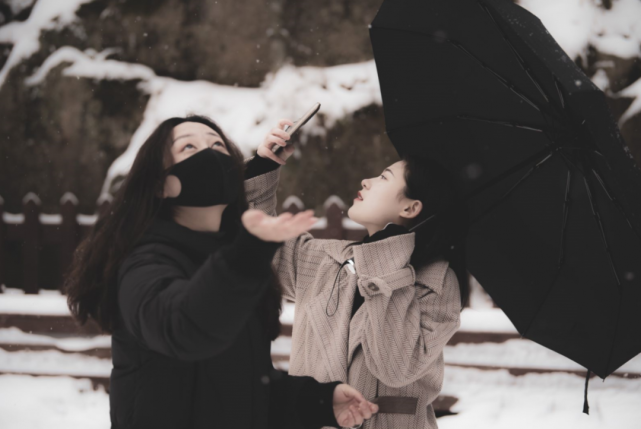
x: 190, y: 135
x: 387, y: 169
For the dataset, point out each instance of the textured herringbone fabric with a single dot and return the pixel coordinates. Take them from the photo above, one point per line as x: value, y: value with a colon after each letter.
x: 396, y: 337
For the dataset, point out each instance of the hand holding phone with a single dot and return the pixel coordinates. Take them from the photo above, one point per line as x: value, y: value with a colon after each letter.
x: 298, y: 124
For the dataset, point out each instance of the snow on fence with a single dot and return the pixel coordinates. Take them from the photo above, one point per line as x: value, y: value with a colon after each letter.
x: 37, y: 248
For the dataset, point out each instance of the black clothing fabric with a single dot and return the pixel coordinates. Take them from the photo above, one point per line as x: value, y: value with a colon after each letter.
x: 390, y: 230
x: 207, y: 178
x: 259, y: 165
x: 189, y: 350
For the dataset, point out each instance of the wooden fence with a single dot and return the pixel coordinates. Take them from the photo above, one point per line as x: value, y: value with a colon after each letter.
x: 36, y: 248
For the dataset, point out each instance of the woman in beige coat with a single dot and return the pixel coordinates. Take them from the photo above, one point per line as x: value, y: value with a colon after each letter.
x: 378, y: 313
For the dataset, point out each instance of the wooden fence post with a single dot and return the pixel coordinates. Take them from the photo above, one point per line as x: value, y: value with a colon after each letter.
x: 69, y: 231
x: 2, y: 241
x: 334, y: 209
x: 103, y: 203
x: 30, y: 242
x: 293, y: 205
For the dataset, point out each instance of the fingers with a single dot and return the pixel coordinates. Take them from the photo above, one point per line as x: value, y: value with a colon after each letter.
x: 279, y: 133
x: 357, y: 415
x: 284, y: 122
x: 297, y: 224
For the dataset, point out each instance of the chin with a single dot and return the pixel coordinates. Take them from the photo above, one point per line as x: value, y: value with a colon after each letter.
x: 352, y: 214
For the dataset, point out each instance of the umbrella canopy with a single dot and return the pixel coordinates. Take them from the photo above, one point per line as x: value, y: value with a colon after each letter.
x: 554, y: 196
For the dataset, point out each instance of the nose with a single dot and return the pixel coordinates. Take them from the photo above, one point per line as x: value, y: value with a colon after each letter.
x: 365, y: 183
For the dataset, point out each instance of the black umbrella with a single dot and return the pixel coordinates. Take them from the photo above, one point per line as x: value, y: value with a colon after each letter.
x: 554, y: 195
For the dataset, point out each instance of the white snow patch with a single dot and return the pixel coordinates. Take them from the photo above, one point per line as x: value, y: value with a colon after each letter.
x: 45, y: 304
x: 334, y: 199
x: 520, y: 353
x: 14, y: 336
x: 600, y: 79
x: 54, y: 362
x: 632, y: 91
x: 486, y: 320
x: 576, y: 24
x: 350, y: 224
x: 52, y: 402
x: 245, y: 114
x: 18, y: 6
x: 287, y: 315
x: 295, y: 201
x: 498, y: 400
x: 46, y: 15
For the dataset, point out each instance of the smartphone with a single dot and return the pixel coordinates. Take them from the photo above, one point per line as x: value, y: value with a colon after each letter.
x: 298, y: 124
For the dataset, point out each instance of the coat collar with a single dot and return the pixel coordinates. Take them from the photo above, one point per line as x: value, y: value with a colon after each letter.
x: 431, y: 275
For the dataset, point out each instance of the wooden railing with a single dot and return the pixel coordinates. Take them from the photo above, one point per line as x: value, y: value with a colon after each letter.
x: 37, y: 248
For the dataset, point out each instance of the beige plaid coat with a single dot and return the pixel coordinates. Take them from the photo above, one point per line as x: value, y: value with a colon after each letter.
x: 394, y: 342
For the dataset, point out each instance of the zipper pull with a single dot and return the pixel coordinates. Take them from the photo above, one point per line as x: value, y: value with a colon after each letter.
x: 350, y: 266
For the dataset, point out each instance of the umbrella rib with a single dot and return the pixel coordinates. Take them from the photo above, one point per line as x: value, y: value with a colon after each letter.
x: 500, y: 78
x: 495, y: 180
x: 513, y: 188
x: 503, y: 123
x: 616, y: 202
x: 558, y: 90
x: 599, y: 222
x: 523, y: 64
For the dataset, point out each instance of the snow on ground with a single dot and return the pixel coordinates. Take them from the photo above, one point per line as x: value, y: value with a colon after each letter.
x: 46, y: 303
x: 51, y: 403
x: 487, y: 400
x: 520, y: 353
x: 498, y: 400
x: 74, y: 344
x: 51, y: 362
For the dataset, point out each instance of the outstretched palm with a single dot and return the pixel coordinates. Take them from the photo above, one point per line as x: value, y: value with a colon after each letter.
x: 278, y: 229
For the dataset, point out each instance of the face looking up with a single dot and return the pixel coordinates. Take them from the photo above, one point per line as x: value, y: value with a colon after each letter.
x: 188, y: 139
x: 382, y: 200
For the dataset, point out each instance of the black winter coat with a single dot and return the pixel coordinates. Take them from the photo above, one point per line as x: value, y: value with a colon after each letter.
x: 189, y: 350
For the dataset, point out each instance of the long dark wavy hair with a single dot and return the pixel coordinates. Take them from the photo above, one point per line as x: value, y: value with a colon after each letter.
x: 90, y: 280
x: 443, y: 223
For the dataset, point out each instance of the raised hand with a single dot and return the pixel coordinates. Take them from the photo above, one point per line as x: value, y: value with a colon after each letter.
x: 276, y: 137
x: 350, y: 407
x: 278, y: 229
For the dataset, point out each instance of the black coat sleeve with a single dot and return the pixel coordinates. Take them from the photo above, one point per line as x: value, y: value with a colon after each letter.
x: 258, y: 166
x: 300, y: 402
x: 199, y: 317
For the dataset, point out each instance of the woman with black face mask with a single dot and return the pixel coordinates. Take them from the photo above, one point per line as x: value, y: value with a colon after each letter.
x: 178, y: 271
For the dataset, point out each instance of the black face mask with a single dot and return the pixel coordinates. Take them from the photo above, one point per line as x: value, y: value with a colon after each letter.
x: 208, y: 178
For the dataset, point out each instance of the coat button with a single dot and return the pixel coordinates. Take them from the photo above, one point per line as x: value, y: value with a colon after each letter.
x: 373, y: 287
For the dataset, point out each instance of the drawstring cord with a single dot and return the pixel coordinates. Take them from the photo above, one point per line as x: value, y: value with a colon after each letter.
x: 586, y: 407
x: 350, y: 263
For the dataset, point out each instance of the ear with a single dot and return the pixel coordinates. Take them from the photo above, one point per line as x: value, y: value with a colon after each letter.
x: 172, y: 187
x: 412, y: 209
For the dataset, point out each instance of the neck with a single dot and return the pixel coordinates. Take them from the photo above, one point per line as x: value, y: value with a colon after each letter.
x: 373, y: 229
x: 204, y: 219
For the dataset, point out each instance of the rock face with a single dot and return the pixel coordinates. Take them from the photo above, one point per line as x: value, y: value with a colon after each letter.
x: 62, y: 134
